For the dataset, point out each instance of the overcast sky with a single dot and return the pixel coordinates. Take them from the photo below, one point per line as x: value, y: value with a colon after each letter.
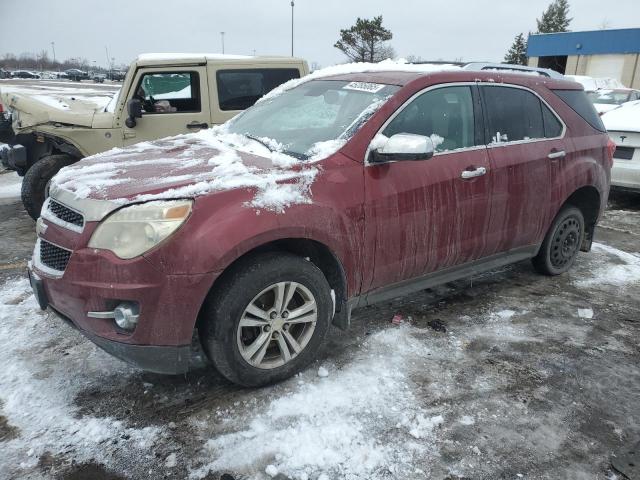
x: 443, y: 29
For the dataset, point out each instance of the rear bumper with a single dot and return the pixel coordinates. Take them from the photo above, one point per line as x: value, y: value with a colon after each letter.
x: 626, y: 174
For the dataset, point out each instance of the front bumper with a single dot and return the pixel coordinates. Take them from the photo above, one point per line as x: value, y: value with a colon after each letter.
x: 97, y: 280
x: 167, y: 360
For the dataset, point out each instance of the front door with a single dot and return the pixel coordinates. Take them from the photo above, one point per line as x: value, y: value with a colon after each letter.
x: 175, y: 100
x: 425, y: 215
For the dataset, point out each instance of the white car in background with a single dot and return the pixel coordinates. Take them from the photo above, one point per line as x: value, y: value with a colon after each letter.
x: 610, y: 99
x: 623, y: 125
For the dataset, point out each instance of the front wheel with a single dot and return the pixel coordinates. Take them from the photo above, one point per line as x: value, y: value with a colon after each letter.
x: 562, y: 242
x: 267, y: 319
x: 34, y: 184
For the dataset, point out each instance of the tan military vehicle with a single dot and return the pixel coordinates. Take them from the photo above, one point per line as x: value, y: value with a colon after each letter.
x: 161, y: 95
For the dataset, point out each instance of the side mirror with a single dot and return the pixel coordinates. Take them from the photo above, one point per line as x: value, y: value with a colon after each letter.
x: 403, y: 146
x: 134, y: 109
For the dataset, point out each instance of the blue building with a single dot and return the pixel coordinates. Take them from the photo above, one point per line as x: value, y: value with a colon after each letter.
x: 598, y: 53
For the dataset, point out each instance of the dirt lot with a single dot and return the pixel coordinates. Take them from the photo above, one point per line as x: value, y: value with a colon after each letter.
x: 505, y: 376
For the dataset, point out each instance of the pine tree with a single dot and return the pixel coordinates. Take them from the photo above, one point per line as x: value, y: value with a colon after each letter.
x: 555, y: 18
x: 517, y: 54
x: 365, y: 41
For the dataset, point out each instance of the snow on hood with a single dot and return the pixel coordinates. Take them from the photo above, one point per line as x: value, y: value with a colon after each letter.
x: 400, y: 65
x: 625, y: 118
x: 196, y: 164
x: 37, y: 105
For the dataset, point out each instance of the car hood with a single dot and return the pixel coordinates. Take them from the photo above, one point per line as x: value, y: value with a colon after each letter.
x: 185, y: 166
x: 34, y: 106
x: 625, y: 118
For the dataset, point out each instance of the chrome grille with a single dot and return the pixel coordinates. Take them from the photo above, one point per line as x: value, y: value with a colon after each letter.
x: 65, y: 213
x: 54, y: 257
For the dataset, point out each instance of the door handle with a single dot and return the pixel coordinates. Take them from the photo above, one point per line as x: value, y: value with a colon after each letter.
x: 199, y: 126
x: 556, y: 154
x: 478, y: 172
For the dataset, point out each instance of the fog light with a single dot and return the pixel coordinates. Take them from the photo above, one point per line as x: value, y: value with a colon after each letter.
x: 126, y: 315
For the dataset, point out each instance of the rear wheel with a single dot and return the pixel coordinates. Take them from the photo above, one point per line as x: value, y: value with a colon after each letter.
x: 562, y: 242
x: 268, y: 319
x: 34, y: 184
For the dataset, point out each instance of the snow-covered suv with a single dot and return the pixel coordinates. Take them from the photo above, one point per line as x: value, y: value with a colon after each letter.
x: 353, y: 185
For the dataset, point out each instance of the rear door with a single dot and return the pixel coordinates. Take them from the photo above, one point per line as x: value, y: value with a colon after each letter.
x: 525, y: 139
x: 175, y: 100
x: 422, y: 215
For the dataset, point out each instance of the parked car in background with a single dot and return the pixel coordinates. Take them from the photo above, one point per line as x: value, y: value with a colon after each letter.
x: 162, y: 95
x: 592, y: 84
x: 349, y: 188
x: 24, y: 74
x: 606, y: 100
x: 116, y: 75
x: 5, y: 73
x: 623, y: 125
x: 98, y: 77
x: 76, y: 75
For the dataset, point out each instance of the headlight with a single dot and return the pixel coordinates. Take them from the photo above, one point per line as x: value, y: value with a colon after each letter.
x: 131, y: 231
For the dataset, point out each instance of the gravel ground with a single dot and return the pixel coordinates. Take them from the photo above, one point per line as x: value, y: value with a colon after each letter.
x: 508, y: 375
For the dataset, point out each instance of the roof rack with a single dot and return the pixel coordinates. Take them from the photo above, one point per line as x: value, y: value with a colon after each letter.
x: 507, y: 67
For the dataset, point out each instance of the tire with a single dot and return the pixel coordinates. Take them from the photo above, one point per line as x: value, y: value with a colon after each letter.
x: 228, y: 344
x: 36, y: 179
x: 562, y: 242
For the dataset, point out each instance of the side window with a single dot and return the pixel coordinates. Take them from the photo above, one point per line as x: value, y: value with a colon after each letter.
x: 552, y: 126
x: 239, y: 89
x: 513, y: 114
x: 444, y: 114
x: 169, y: 92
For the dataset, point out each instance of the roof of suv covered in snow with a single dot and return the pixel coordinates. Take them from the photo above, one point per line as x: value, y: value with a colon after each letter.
x: 452, y: 74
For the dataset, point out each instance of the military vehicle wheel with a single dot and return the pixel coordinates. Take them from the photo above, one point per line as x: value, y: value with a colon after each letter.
x: 35, y: 181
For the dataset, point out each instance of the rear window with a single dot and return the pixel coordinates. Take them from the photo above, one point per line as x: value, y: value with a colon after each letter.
x: 241, y: 88
x: 580, y: 103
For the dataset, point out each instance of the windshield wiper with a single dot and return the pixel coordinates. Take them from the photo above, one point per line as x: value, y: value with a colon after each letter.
x: 260, y: 141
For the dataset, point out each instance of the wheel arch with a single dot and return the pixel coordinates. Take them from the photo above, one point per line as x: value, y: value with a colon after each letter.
x: 588, y: 200
x: 316, y: 252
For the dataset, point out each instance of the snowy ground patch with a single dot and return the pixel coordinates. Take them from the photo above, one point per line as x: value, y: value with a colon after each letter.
x: 362, y: 421
x: 36, y: 396
x: 10, y: 185
x: 611, y: 268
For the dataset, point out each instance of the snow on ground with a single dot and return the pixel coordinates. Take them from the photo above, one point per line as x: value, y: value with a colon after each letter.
x: 36, y: 396
x: 358, y: 422
x: 613, y: 269
x: 10, y: 184
x: 387, y: 411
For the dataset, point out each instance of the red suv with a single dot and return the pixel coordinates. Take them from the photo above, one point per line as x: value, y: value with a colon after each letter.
x: 330, y: 194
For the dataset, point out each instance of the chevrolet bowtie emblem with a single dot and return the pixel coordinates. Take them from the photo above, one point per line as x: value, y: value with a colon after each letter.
x: 41, y: 227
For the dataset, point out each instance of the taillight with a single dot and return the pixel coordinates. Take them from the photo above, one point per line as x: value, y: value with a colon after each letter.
x: 611, y: 148
x: 1, y: 108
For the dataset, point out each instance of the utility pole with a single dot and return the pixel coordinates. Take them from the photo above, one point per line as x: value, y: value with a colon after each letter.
x: 222, y: 37
x: 53, y: 47
x: 292, y: 5
x: 110, y: 65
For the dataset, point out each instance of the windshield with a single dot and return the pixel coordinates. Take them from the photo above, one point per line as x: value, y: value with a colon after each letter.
x: 313, y: 112
x: 609, y: 97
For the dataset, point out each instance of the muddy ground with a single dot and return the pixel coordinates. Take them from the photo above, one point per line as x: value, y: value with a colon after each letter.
x: 508, y: 375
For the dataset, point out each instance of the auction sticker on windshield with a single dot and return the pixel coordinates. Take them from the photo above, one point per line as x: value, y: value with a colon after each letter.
x: 364, y: 87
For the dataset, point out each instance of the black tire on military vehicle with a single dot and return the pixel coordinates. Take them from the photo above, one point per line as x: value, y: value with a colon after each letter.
x: 35, y: 181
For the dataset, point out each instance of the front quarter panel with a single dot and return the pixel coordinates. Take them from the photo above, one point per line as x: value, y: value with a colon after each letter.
x: 223, y: 225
